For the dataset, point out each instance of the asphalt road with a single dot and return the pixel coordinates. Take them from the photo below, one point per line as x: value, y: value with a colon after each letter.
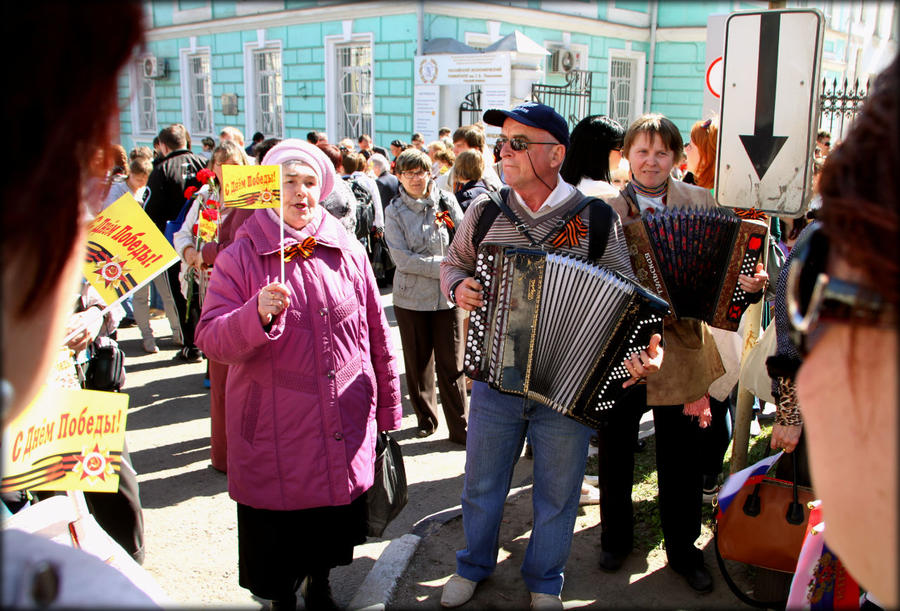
x: 189, y: 520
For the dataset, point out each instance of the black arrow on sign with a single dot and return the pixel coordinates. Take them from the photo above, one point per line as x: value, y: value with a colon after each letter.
x: 762, y: 147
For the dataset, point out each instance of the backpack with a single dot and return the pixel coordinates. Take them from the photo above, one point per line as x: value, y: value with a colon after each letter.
x: 365, y: 210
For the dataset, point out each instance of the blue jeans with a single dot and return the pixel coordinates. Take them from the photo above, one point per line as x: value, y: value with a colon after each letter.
x: 497, y: 427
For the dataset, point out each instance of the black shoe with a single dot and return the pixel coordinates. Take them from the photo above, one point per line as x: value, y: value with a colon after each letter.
x: 421, y: 433
x: 316, y: 592
x: 188, y: 355
x: 697, y: 577
x: 611, y: 562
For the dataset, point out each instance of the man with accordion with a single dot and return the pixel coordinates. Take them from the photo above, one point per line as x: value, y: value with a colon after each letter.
x: 541, y: 212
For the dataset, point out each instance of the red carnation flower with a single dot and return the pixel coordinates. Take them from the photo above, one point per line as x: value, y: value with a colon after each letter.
x: 205, y: 175
x: 214, y: 204
x: 194, y: 229
x: 189, y: 192
x: 210, y: 214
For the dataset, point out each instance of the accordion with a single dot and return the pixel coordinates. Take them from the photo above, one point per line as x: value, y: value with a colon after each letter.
x: 556, y: 328
x: 692, y: 259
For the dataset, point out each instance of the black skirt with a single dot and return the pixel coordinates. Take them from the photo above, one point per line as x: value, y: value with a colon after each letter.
x: 277, y: 549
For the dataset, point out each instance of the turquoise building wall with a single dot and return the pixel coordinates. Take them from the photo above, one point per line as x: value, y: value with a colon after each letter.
x: 678, y: 70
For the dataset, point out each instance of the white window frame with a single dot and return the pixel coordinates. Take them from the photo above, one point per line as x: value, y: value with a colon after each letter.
x: 193, y: 15
x: 137, y: 83
x: 639, y: 81
x: 626, y: 16
x: 250, y: 94
x: 187, y: 93
x: 332, y: 77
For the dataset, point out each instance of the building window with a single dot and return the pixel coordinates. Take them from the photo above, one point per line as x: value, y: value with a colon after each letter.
x: 199, y: 94
x: 622, y: 89
x: 144, y: 109
x: 354, y: 64
x: 268, y: 99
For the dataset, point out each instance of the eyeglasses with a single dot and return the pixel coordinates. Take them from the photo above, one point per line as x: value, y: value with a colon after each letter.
x: 827, y: 143
x: 413, y: 174
x: 813, y: 296
x: 518, y: 143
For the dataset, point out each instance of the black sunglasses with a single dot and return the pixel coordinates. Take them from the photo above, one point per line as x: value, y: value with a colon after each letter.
x: 517, y: 143
x: 813, y: 296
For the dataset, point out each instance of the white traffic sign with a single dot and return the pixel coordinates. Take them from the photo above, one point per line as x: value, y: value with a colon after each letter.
x: 769, y: 110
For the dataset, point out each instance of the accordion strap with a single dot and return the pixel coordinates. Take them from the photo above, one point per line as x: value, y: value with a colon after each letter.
x: 500, y: 200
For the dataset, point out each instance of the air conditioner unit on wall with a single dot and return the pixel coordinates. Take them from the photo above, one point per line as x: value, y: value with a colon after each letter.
x: 563, y: 60
x: 155, y: 68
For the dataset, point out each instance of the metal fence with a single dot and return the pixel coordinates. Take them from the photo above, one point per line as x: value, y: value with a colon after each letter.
x: 572, y: 100
x: 470, y: 109
x: 839, y: 103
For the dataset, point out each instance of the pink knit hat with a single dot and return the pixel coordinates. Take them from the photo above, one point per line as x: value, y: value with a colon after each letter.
x: 308, y: 154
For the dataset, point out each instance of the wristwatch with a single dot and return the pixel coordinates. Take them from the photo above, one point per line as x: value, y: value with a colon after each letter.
x: 453, y: 292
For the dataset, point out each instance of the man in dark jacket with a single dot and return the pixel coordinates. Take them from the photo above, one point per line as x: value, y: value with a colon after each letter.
x: 388, y: 185
x: 176, y: 171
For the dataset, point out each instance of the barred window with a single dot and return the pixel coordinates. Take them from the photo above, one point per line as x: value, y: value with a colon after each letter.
x: 200, y: 94
x: 269, y: 97
x: 355, y: 78
x: 622, y: 89
x: 145, y: 100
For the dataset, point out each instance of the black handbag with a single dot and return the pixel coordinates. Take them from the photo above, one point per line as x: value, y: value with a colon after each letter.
x: 388, y: 495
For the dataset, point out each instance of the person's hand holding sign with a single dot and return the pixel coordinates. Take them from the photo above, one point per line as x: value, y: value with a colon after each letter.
x: 272, y: 300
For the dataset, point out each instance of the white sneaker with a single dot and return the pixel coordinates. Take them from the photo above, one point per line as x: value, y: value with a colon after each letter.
x: 589, y: 495
x: 150, y: 346
x: 545, y: 601
x: 457, y: 591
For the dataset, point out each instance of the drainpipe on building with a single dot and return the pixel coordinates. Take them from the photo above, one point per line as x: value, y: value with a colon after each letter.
x: 420, y: 18
x: 648, y: 87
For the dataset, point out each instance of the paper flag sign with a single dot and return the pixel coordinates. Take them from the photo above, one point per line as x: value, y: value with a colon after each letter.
x: 125, y: 250
x: 66, y: 440
x: 251, y: 186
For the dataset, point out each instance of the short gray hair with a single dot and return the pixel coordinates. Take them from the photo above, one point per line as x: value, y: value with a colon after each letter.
x: 381, y: 161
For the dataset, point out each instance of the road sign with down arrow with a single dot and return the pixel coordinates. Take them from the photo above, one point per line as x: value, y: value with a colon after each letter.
x: 769, y: 110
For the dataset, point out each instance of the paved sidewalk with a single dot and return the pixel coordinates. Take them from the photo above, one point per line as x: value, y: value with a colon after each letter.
x: 413, y: 569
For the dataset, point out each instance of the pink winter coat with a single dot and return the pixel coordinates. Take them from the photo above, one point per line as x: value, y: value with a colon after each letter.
x: 304, y: 400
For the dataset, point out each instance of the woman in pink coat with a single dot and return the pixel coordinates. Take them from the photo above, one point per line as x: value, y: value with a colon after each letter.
x: 312, y: 380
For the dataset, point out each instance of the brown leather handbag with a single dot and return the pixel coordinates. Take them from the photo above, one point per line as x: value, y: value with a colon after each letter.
x: 764, y: 526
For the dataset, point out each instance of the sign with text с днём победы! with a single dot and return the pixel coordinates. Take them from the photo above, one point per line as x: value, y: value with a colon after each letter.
x: 769, y: 110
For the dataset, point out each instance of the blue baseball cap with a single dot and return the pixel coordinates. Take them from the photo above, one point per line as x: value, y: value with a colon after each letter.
x: 533, y: 114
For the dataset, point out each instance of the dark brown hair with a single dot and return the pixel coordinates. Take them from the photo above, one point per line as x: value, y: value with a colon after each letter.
x: 469, y: 165
x: 332, y: 152
x: 413, y: 159
x: 76, y: 112
x: 473, y: 136
x: 859, y: 193
x: 655, y: 124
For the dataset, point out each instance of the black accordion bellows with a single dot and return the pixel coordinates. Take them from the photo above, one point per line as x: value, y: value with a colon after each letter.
x: 692, y: 258
x: 556, y: 328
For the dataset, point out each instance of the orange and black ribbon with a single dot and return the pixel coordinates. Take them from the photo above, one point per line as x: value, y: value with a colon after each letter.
x: 751, y: 214
x: 443, y: 217
x: 571, y: 234
x: 305, y: 248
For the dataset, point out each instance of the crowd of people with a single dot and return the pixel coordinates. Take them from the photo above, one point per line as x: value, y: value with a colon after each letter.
x: 302, y: 371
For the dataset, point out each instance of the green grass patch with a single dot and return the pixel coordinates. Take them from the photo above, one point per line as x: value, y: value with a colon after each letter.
x: 645, y: 492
